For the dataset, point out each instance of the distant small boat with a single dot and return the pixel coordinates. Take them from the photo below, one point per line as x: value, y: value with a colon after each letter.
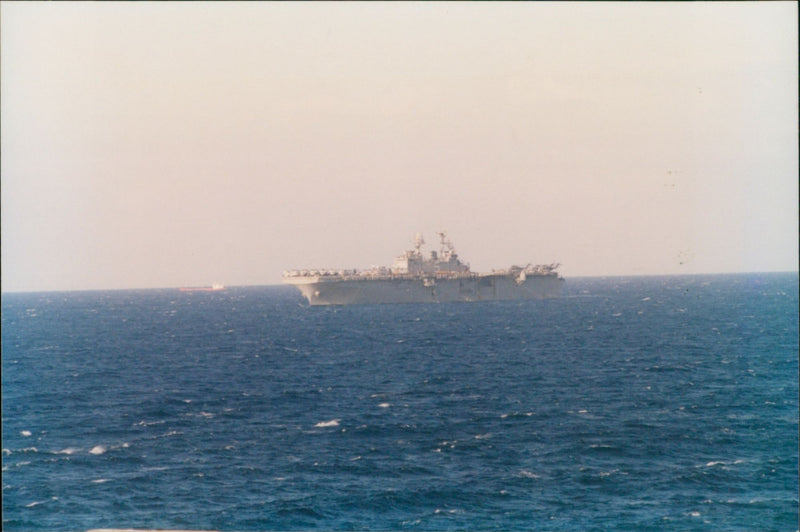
x: 212, y: 288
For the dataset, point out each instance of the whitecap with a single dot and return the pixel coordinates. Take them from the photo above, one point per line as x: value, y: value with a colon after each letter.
x: 6, y: 452
x: 97, y: 449
x: 331, y: 423
x: 68, y: 450
x: 26, y: 433
x: 149, y: 423
x: 384, y: 405
x: 100, y: 481
x: 155, y: 468
x: 528, y: 474
x: 34, y: 503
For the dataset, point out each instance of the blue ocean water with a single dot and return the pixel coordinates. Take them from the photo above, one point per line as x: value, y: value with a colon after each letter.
x: 647, y: 403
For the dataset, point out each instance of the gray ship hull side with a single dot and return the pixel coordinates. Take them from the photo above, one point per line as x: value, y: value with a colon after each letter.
x: 320, y: 291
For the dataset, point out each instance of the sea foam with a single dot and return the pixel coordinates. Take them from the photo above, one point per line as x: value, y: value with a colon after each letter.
x: 68, y: 450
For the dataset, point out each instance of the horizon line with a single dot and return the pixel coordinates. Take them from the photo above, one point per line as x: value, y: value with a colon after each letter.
x: 594, y: 276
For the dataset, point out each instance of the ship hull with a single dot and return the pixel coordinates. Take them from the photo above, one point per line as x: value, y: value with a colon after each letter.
x: 332, y: 291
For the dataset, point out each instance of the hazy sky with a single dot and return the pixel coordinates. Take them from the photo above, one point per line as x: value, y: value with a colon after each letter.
x: 169, y: 144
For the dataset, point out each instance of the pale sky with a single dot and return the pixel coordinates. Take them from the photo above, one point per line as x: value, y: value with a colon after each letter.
x: 170, y: 144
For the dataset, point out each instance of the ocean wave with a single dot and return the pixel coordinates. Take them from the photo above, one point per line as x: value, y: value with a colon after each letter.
x: 149, y: 423
x: 18, y: 464
x: 68, y: 451
x: 37, y: 503
x: 715, y: 463
x: 516, y: 415
x: 331, y: 423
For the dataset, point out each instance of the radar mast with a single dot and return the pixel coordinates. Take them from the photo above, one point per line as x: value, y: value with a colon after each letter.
x: 418, y: 242
x: 447, y: 246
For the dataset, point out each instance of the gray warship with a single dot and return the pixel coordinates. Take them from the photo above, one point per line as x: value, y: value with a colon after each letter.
x: 414, y: 278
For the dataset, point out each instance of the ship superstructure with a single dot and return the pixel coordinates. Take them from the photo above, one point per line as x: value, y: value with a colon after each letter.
x: 415, y: 278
